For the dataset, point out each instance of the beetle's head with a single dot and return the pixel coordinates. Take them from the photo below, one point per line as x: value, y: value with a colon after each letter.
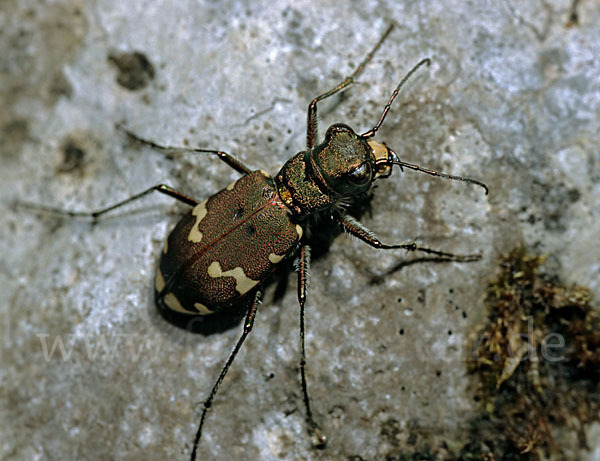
x: 349, y: 162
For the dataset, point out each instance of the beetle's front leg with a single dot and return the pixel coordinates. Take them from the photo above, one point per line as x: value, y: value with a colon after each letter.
x: 311, y: 122
x: 354, y: 227
x: 319, y: 438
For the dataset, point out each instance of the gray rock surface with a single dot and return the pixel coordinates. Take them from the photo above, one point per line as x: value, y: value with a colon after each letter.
x: 512, y: 97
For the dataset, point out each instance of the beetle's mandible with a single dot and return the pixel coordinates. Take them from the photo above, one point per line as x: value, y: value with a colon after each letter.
x: 221, y: 252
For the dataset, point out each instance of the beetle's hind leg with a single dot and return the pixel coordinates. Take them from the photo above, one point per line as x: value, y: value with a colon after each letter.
x: 355, y: 228
x: 248, y: 323
x: 162, y: 188
x: 224, y: 156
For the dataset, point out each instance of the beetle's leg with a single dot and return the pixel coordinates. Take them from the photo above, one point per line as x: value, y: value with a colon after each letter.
x: 224, y: 156
x: 320, y: 439
x: 311, y: 124
x: 162, y: 188
x: 354, y: 227
x: 208, y: 402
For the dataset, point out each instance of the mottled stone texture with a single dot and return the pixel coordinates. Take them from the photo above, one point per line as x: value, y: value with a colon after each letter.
x: 89, y: 369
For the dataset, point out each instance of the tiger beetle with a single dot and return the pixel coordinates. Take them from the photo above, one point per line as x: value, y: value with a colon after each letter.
x: 220, y: 253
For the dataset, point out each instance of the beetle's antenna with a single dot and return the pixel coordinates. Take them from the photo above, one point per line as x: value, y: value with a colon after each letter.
x: 411, y: 166
x: 373, y: 130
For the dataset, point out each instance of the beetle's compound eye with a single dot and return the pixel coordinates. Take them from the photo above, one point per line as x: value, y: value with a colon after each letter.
x: 361, y: 175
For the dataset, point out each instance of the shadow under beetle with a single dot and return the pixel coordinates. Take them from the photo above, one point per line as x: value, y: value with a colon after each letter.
x: 220, y: 253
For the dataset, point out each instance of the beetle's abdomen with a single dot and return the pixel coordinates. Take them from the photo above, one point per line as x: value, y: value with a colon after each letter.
x: 225, y: 247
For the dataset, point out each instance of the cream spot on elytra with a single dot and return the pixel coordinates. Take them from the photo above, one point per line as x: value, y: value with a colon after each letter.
x: 159, y: 281
x: 243, y: 284
x: 199, y: 212
x: 275, y: 258
x: 202, y: 309
x: 173, y: 303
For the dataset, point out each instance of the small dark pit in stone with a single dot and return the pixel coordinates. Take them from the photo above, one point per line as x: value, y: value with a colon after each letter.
x: 574, y: 195
x: 73, y: 157
x: 135, y: 71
